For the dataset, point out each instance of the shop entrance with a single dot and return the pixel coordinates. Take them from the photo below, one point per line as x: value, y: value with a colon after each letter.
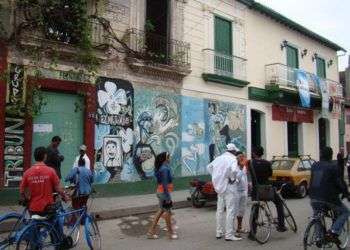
x: 62, y: 116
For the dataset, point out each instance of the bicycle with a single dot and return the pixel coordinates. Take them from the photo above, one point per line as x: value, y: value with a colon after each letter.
x: 261, y: 218
x: 10, y: 224
x: 59, y: 230
x: 316, y: 232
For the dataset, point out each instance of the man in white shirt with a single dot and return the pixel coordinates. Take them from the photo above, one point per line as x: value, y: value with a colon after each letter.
x: 223, y: 171
x: 82, y: 153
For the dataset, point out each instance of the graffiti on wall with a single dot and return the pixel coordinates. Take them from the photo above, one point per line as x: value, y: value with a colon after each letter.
x: 14, y: 129
x: 207, y: 127
x: 114, y: 128
x: 157, y: 120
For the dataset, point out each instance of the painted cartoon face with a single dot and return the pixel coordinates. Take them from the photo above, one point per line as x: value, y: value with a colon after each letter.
x: 111, y: 150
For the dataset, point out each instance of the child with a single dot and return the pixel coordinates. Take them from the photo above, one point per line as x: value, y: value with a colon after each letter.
x: 242, y: 188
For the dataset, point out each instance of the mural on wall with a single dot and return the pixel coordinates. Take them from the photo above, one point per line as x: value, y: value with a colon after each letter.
x: 114, y: 128
x: 207, y: 127
x: 14, y: 129
x: 157, y: 120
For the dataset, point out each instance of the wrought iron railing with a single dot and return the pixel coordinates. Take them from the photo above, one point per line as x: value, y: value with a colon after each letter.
x: 158, y: 49
x: 225, y: 65
x: 285, y: 76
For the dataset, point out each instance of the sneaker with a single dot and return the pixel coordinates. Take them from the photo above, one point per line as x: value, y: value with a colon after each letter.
x: 233, y: 238
x: 218, y: 236
x: 152, y: 236
x: 281, y: 229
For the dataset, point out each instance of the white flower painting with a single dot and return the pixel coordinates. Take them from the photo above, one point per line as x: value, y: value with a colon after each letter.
x: 111, y: 98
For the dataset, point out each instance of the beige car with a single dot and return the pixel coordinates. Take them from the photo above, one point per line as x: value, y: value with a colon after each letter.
x: 294, y: 171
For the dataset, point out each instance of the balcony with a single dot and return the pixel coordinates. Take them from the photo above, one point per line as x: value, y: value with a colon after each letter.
x: 38, y: 39
x: 285, y: 77
x: 225, y: 69
x: 157, y: 55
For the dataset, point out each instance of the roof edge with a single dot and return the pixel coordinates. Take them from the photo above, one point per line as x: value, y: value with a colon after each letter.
x: 290, y: 23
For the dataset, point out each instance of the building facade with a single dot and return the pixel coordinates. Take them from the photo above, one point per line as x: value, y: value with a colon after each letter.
x: 186, y: 76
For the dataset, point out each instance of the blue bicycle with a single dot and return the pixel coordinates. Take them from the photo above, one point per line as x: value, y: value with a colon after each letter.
x: 10, y: 224
x: 59, y: 230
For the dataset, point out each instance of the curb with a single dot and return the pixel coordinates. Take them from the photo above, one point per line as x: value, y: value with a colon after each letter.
x: 118, y: 213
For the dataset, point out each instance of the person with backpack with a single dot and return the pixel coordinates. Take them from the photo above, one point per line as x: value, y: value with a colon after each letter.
x: 82, y: 178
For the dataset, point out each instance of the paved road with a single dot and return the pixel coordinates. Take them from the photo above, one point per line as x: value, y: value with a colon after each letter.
x: 196, y: 231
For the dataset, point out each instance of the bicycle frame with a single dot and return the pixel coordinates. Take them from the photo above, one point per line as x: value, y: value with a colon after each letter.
x: 12, y: 232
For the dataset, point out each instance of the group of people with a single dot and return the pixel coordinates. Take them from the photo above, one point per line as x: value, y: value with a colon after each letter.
x: 232, y: 177
x: 41, y: 180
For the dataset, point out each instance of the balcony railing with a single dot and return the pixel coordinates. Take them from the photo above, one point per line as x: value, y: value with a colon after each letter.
x: 225, y: 65
x: 285, y: 76
x: 158, y: 49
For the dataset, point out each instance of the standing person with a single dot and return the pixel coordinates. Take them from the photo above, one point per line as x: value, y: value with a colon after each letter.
x: 341, y: 162
x: 39, y: 183
x: 54, y: 158
x: 223, y: 171
x: 347, y: 160
x: 261, y: 171
x: 82, y: 154
x: 165, y: 187
x: 324, y: 191
x: 82, y: 178
x: 242, y: 188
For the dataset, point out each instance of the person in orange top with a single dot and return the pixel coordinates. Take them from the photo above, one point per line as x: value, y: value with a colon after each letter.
x: 39, y: 183
x: 164, y: 188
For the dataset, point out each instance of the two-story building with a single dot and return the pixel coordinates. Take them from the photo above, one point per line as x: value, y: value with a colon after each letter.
x: 183, y: 76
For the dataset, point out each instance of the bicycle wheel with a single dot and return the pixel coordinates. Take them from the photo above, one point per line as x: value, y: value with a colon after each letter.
x: 289, y: 218
x: 314, y: 236
x: 71, y: 227
x: 260, y: 223
x: 344, y: 236
x: 92, y: 233
x: 9, y: 225
x: 38, y: 235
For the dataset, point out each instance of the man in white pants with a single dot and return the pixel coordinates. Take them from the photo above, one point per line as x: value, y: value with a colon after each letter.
x: 223, y: 171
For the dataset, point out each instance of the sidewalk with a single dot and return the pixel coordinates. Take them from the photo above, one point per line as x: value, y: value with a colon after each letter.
x: 116, y: 207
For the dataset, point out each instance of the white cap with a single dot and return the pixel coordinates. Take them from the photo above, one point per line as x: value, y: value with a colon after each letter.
x: 232, y: 147
x: 83, y: 147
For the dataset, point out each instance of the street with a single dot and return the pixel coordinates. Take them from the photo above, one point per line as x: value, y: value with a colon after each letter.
x: 196, y: 231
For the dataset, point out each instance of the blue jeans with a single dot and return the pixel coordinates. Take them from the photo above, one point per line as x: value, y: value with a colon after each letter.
x: 342, y: 213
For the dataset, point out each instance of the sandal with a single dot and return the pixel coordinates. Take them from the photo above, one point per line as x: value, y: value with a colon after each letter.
x: 152, y: 236
x: 173, y: 236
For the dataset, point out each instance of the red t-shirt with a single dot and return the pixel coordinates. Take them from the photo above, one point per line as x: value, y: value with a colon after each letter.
x: 41, y: 181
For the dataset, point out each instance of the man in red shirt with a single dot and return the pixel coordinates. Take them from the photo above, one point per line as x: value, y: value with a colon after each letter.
x: 39, y: 183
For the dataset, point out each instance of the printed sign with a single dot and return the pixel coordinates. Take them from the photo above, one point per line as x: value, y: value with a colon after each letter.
x: 292, y: 114
x: 15, y: 86
x: 42, y: 128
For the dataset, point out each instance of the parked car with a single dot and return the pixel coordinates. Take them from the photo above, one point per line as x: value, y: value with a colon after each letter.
x: 295, y: 172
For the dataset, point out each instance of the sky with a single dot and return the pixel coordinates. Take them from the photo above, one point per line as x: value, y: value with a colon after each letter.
x: 328, y: 18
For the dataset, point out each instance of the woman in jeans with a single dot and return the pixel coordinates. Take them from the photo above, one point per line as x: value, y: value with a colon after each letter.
x: 165, y: 186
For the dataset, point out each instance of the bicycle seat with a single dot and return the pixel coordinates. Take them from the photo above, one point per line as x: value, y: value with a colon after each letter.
x: 38, y: 217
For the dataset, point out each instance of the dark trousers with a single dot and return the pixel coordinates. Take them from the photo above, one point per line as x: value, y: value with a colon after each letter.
x: 349, y: 174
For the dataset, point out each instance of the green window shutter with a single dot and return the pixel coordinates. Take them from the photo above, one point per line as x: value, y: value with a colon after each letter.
x: 223, y: 45
x: 321, y: 67
x: 292, y: 57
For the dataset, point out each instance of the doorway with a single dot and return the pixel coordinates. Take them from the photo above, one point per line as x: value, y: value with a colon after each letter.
x: 63, y: 116
x: 293, y: 139
x: 323, y: 133
x: 255, y: 119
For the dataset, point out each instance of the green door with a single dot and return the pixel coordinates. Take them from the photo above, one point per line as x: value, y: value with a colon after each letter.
x: 321, y: 67
x: 223, y: 45
x: 60, y: 117
x: 293, y: 150
x: 292, y: 63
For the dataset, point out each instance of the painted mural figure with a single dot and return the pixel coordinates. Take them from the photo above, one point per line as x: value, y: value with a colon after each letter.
x: 144, y: 156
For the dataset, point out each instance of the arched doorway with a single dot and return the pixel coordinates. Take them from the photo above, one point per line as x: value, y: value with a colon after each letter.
x: 323, y: 133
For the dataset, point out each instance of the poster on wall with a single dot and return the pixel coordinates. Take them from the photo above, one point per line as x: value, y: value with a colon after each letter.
x: 303, y: 88
x: 113, y: 129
